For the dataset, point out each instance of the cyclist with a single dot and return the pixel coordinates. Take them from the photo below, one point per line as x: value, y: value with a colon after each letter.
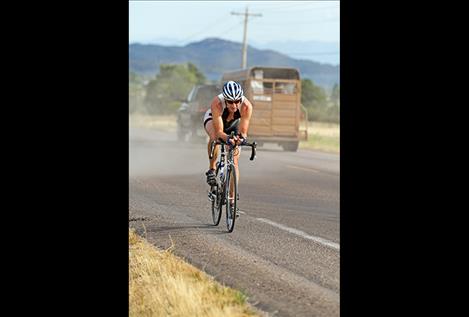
x: 229, y: 111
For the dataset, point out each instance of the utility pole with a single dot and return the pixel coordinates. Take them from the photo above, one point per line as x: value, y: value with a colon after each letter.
x: 245, y: 43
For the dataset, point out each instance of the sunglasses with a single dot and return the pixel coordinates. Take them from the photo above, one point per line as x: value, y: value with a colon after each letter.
x: 233, y: 101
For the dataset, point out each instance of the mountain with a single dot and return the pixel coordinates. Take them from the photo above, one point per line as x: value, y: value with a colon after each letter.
x: 214, y: 56
x: 319, y: 51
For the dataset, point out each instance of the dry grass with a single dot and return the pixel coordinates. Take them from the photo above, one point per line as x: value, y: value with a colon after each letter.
x: 160, y: 284
x: 322, y: 136
x: 164, y: 123
x: 324, y: 129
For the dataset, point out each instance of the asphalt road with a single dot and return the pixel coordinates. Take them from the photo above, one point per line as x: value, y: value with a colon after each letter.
x: 284, y: 252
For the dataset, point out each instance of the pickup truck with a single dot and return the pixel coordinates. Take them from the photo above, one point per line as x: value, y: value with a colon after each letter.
x: 191, y: 113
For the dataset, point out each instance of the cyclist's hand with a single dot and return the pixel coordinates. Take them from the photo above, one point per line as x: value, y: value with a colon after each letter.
x: 241, y: 140
x: 232, y: 140
x: 237, y: 140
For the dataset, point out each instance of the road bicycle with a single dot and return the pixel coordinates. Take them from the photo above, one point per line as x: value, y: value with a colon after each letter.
x: 226, y: 178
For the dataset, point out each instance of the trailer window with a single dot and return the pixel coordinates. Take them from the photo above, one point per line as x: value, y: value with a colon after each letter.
x: 274, y: 73
x: 258, y: 74
x: 285, y: 88
x: 261, y: 87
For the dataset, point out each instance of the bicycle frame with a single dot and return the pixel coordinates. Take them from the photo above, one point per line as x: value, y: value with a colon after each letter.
x: 225, y: 167
x: 225, y: 162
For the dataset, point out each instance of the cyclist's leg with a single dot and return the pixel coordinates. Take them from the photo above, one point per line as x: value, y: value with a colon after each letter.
x: 208, y: 125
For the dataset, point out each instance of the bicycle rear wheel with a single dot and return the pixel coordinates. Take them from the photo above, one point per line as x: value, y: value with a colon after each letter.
x: 217, y: 201
x: 231, y: 205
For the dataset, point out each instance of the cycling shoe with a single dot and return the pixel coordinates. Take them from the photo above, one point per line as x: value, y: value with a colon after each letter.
x: 211, y: 177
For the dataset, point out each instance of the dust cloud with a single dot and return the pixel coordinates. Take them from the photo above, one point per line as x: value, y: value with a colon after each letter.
x: 155, y: 152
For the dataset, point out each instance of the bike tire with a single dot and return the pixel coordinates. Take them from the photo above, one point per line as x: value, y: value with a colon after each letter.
x: 217, y: 203
x: 231, y: 209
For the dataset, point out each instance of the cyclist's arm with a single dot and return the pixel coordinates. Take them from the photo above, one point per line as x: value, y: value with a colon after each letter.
x: 246, y: 112
x: 216, y: 108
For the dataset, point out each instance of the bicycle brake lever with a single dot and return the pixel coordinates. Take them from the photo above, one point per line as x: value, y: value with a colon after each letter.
x: 253, y: 151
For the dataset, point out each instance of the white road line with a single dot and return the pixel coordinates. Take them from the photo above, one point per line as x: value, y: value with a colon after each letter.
x: 303, y: 168
x: 322, y: 241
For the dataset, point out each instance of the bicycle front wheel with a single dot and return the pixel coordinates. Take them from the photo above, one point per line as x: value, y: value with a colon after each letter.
x: 231, y: 204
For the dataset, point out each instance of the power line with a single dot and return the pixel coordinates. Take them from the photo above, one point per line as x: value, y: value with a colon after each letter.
x: 295, y: 5
x: 230, y: 28
x: 210, y: 26
x: 295, y: 9
x: 270, y: 7
x: 311, y: 22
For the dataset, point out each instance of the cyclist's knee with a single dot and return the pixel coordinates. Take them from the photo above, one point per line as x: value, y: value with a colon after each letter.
x: 209, y: 129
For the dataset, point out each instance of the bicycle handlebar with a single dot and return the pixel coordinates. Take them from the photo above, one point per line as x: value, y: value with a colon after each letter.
x: 253, y: 146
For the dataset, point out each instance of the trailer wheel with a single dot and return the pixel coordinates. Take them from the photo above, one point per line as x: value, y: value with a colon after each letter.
x: 291, y: 146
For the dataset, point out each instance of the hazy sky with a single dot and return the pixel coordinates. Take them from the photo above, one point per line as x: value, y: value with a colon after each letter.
x: 182, y: 22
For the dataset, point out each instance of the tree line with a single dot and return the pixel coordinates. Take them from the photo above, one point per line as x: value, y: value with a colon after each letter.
x: 163, y: 93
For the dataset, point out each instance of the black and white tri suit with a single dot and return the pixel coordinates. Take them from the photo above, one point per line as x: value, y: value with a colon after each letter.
x: 228, y: 126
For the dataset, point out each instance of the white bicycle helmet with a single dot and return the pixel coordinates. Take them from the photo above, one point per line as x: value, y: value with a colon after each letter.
x: 232, y: 91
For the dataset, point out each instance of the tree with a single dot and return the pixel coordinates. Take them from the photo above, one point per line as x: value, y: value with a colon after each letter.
x: 307, y: 92
x: 314, y: 98
x: 201, y: 79
x: 335, y: 95
x: 136, y: 93
x: 170, y: 86
x: 334, y: 109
